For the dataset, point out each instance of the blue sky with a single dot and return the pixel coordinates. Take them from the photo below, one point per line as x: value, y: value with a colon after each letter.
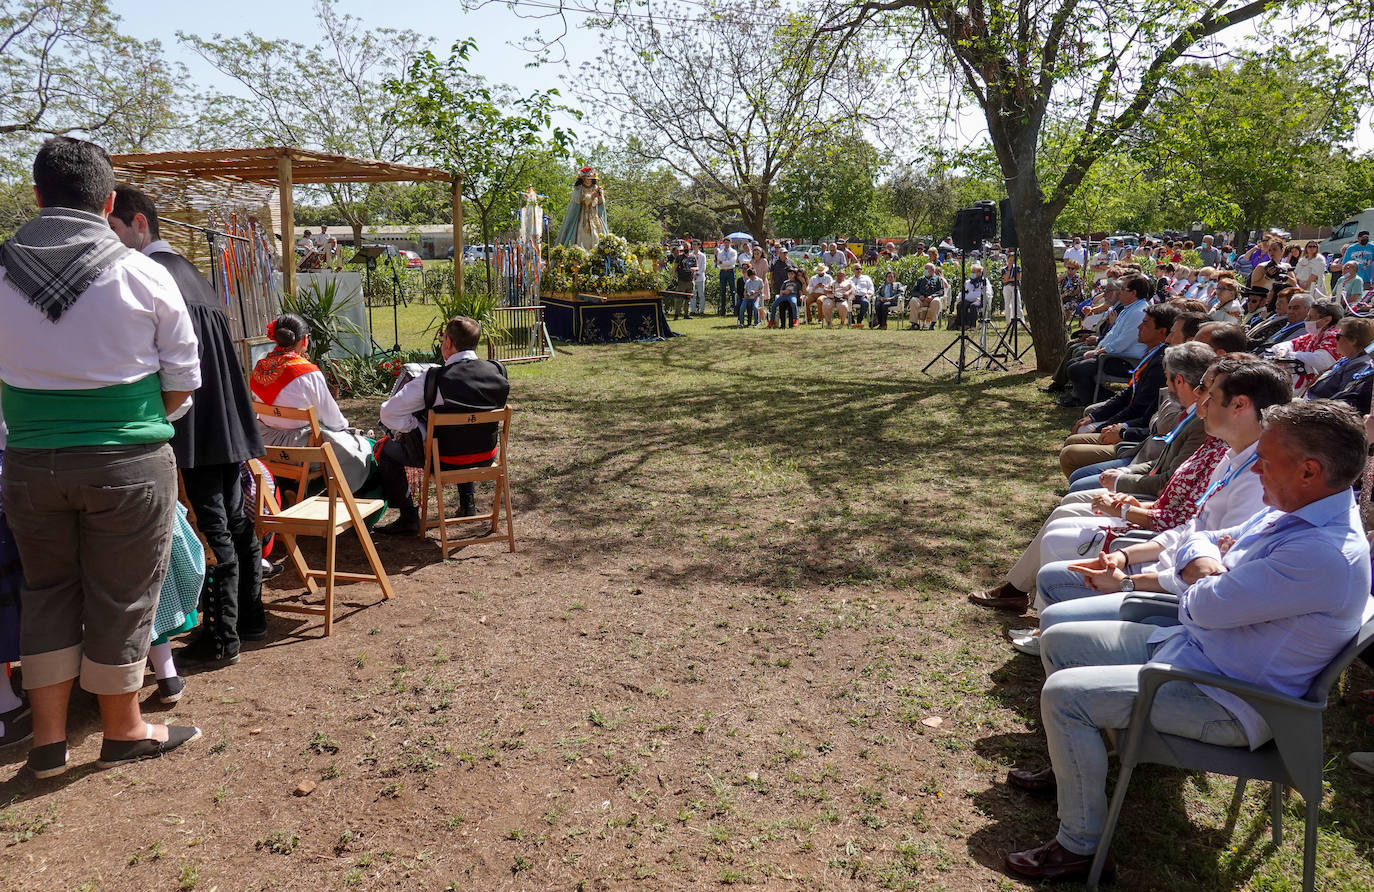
x: 494, y: 27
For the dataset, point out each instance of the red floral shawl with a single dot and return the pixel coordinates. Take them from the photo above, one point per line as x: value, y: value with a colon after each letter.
x: 276, y: 370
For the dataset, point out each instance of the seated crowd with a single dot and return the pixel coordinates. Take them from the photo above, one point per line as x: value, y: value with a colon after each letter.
x: 157, y: 394
x: 1219, y: 477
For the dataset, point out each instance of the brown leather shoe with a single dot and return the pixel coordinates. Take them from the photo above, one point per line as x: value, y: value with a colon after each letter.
x: 1041, y: 781
x: 1052, y: 861
x: 1003, y: 597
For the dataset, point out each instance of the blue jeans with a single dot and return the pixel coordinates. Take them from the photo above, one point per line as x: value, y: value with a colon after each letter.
x: 747, y: 308
x: 1092, y: 685
x: 698, y: 304
x: 785, y: 309
x: 727, y: 289
x: 1094, y: 470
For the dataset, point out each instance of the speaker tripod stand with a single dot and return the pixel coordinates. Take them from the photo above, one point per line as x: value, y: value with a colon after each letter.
x: 1009, y: 344
x: 970, y: 352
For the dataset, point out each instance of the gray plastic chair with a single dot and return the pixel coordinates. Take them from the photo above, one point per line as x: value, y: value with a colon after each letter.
x: 1294, y: 758
x: 1105, y: 377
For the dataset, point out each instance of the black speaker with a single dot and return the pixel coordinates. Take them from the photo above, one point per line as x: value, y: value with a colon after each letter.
x: 987, y: 218
x: 967, y: 232
x: 1009, y: 239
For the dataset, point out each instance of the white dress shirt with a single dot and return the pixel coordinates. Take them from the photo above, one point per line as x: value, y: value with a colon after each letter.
x: 1228, y: 506
x: 308, y: 390
x: 131, y: 322
x: 863, y: 286
x: 726, y: 257
x: 398, y: 413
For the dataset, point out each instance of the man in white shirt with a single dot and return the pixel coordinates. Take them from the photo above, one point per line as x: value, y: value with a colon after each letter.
x: 863, y: 296
x: 463, y: 383
x: 726, y: 258
x: 698, y: 279
x: 821, y: 286
x: 97, y: 355
x: 1237, y: 391
x: 1101, y: 262
x: 1077, y: 252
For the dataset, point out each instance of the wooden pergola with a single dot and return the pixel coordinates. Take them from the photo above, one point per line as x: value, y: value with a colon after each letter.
x: 283, y: 168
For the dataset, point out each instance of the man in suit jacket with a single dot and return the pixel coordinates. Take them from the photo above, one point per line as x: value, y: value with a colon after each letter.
x: 463, y: 383
x: 217, y: 435
x: 1132, y: 406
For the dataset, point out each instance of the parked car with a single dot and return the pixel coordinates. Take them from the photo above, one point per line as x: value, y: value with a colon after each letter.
x: 473, y: 253
x: 1059, y: 248
x: 805, y: 252
x: 412, y: 259
x: 1343, y: 235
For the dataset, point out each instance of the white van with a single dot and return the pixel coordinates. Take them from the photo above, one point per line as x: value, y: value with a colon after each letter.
x: 1343, y: 235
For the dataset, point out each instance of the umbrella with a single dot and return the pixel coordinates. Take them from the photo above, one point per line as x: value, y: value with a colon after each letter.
x: 740, y: 235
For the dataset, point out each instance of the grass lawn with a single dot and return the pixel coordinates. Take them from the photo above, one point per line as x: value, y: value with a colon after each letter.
x: 732, y: 649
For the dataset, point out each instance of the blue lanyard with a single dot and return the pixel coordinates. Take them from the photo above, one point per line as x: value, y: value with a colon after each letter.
x: 1339, y: 363
x: 1169, y: 437
x: 1225, y: 480
x: 1135, y: 373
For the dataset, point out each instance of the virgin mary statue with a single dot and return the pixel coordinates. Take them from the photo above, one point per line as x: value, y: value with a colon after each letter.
x: 585, y: 221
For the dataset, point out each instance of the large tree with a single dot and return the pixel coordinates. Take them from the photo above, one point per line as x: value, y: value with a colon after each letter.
x: 728, y: 94
x: 327, y: 96
x: 1249, y: 143
x: 829, y: 189
x: 488, y: 136
x: 66, y: 69
x: 1093, y: 68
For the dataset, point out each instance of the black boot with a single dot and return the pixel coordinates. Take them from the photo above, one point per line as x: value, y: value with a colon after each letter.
x: 252, y: 619
x: 467, y: 500
x: 218, y: 644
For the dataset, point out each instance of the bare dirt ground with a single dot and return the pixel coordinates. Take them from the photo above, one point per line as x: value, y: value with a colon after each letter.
x: 731, y: 649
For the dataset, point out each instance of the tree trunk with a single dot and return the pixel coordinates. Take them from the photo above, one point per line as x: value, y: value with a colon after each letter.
x: 1039, y: 273
x: 754, y: 217
x: 357, y: 227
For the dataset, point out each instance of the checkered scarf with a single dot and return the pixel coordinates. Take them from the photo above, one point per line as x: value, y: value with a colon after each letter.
x: 55, y: 256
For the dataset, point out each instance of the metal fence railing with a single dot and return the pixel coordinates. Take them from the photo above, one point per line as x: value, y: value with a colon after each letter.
x: 524, y: 337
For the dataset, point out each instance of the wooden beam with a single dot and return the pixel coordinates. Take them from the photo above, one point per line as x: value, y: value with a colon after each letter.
x: 456, y: 196
x: 288, y: 225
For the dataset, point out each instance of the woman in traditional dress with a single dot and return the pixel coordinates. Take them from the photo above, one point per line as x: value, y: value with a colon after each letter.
x: 584, y: 223
x: 286, y: 378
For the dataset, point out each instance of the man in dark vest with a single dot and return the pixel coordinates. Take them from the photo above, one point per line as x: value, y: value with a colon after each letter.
x: 463, y: 383
x: 212, y: 440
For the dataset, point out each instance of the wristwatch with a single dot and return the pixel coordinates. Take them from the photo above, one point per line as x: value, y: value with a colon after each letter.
x: 1128, y: 584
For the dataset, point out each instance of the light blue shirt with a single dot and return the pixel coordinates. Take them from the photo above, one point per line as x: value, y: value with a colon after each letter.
x: 1364, y: 256
x: 1295, y: 591
x: 1123, y: 339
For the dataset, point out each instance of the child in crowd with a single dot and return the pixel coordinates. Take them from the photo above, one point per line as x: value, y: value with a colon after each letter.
x: 753, y: 293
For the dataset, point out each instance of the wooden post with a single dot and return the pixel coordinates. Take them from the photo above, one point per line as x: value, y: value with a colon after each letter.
x: 456, y: 189
x: 288, y: 224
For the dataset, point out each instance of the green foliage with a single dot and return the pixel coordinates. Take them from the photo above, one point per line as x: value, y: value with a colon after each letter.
x: 488, y: 135
x: 829, y: 189
x: 613, y: 267
x: 65, y: 68
x: 319, y: 304
x: 729, y: 95
x: 1250, y: 142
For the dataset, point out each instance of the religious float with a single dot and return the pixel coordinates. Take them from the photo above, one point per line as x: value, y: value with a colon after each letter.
x: 597, y: 287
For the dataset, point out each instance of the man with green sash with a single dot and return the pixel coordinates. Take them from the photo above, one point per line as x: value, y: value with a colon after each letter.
x: 97, y: 354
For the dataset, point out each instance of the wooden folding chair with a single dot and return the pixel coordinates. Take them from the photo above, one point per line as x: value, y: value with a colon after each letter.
x: 326, y: 515
x: 302, y: 475
x: 496, y: 471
